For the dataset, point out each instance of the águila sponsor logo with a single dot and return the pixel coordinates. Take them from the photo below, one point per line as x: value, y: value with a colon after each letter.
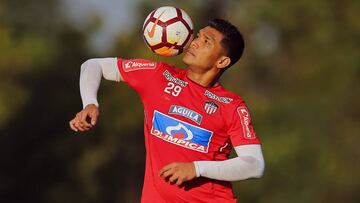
x: 187, y: 113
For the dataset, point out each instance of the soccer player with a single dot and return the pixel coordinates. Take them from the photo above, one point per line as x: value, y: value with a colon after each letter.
x: 191, y: 122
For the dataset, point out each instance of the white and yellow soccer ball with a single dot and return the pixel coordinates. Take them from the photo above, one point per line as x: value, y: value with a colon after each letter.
x: 168, y: 31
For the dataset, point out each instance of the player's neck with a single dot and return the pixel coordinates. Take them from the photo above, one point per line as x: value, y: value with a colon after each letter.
x: 205, y: 79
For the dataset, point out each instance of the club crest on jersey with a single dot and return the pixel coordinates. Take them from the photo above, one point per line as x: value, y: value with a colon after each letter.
x: 140, y: 64
x: 180, y: 133
x: 211, y: 95
x: 173, y: 79
x: 187, y: 113
x: 210, y: 107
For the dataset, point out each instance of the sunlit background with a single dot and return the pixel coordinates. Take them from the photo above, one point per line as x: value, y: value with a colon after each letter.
x: 299, y: 76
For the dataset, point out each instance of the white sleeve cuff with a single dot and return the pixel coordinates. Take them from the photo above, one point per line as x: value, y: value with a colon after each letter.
x: 197, y: 168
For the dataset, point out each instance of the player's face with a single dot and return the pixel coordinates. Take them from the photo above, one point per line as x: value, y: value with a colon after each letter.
x: 205, y: 50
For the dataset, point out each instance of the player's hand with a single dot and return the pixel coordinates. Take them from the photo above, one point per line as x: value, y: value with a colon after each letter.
x: 179, y: 172
x: 80, y: 122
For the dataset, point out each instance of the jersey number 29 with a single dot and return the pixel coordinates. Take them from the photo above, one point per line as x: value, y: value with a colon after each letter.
x: 172, y: 89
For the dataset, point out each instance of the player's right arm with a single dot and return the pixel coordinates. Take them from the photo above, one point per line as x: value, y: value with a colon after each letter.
x: 91, y: 74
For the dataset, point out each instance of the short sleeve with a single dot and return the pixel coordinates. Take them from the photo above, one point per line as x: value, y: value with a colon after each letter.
x: 241, y: 130
x: 137, y: 72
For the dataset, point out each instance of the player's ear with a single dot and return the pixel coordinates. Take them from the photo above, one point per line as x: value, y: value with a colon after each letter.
x: 223, y: 62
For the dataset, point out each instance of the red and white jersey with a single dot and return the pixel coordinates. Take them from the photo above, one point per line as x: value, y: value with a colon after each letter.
x: 186, y: 122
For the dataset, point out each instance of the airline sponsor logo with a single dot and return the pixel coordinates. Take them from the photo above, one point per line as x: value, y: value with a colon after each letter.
x: 187, y: 113
x: 180, y: 133
x: 245, y: 119
x: 211, y: 95
x: 210, y: 107
x: 132, y: 65
x: 173, y: 79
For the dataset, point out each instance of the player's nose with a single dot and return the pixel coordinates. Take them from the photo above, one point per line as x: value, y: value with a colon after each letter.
x: 194, y: 44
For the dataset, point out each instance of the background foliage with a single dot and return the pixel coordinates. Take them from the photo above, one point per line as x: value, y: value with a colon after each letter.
x: 299, y: 75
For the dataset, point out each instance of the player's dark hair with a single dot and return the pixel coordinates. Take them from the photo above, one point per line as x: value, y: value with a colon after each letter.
x: 233, y: 42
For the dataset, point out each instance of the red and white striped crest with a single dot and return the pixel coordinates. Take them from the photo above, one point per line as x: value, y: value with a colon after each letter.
x: 210, y: 107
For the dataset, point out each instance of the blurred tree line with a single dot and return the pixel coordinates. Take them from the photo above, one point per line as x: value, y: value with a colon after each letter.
x: 299, y: 76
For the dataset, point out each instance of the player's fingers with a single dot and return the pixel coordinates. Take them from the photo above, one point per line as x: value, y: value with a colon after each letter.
x: 167, y: 174
x: 79, y: 126
x: 82, y: 115
x: 86, y: 128
x: 72, y: 126
x: 179, y: 181
x: 85, y: 124
x: 94, y: 116
x: 164, y: 169
x: 81, y: 119
x: 174, y: 178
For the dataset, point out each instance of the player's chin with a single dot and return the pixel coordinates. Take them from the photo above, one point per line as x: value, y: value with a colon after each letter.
x: 186, y: 58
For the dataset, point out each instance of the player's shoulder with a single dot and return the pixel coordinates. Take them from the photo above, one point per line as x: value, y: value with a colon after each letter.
x: 134, y: 64
x: 171, y: 68
x: 141, y: 62
x: 232, y: 104
x: 227, y: 97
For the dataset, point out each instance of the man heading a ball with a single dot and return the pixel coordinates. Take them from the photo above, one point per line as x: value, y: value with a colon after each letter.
x: 191, y: 122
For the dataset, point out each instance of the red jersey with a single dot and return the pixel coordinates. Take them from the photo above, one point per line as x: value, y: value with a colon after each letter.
x: 185, y: 122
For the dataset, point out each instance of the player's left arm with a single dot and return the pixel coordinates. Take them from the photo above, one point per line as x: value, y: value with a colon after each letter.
x: 249, y: 163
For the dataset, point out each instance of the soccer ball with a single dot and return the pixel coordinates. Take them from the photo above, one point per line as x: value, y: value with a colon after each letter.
x: 167, y: 31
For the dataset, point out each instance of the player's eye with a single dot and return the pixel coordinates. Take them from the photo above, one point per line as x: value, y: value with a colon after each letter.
x: 207, y: 41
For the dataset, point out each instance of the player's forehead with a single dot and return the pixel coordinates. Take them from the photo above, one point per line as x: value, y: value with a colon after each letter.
x: 211, y: 33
